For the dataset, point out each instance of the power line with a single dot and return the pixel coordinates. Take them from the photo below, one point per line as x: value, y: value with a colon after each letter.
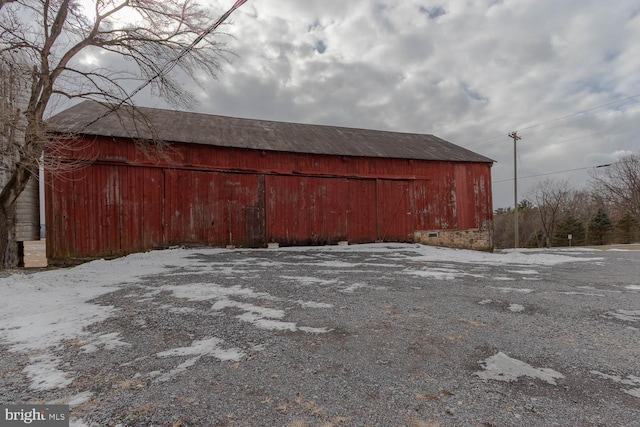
x: 553, y: 173
x: 617, y: 129
x: 582, y: 119
x: 580, y: 112
x: 561, y: 118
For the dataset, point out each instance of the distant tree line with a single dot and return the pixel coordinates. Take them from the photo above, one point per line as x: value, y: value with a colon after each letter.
x: 606, y: 212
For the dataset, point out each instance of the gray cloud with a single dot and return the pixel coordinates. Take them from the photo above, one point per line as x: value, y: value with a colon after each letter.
x: 433, y: 12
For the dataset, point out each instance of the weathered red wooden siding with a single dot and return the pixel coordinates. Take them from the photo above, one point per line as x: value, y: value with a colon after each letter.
x: 394, y: 215
x: 306, y: 210
x: 128, y: 200
x: 362, y: 219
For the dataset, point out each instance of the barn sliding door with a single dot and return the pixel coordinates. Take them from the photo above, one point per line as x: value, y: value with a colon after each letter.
x: 362, y: 224
x: 214, y: 209
x: 305, y: 210
x: 395, y: 218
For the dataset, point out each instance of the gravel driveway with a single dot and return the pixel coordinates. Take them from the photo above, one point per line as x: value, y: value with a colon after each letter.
x: 375, y: 335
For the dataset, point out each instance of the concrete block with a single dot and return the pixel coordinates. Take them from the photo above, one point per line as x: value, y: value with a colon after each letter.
x: 35, y: 253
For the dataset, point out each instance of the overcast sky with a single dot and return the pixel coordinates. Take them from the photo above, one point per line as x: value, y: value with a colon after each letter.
x: 468, y: 71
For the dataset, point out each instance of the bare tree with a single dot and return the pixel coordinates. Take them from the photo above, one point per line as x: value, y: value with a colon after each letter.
x: 619, y: 185
x: 503, y: 229
x: 51, y: 36
x: 581, y: 205
x: 3, y: 2
x: 551, y: 197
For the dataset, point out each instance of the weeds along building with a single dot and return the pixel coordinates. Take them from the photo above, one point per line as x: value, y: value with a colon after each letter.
x: 223, y: 181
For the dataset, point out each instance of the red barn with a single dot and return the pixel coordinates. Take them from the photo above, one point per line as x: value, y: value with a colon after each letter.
x: 224, y: 181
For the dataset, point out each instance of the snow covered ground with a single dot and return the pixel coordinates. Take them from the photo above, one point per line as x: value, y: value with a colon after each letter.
x: 43, y: 314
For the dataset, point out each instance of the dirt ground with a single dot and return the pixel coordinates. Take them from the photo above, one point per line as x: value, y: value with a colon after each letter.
x: 392, y: 336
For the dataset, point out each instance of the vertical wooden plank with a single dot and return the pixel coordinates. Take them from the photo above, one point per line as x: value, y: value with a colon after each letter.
x: 59, y: 231
x: 133, y: 240
x: 334, y: 210
x: 89, y: 228
x: 361, y: 211
x: 465, y: 199
x: 419, y: 195
x: 124, y: 209
x: 167, y: 206
x: 394, y: 212
x: 152, y: 207
x: 247, y: 217
x: 171, y: 213
x: 283, y: 192
x: 106, y: 207
x: 78, y: 240
x: 49, y: 215
x: 217, y: 211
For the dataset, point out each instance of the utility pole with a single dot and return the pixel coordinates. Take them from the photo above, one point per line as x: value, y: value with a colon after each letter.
x: 515, y: 137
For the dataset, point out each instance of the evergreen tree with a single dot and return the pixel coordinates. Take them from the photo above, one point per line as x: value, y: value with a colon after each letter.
x: 599, y: 227
x: 627, y: 229
x: 569, y: 226
x: 536, y: 239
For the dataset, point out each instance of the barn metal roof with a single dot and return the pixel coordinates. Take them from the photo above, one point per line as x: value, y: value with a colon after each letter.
x: 188, y: 127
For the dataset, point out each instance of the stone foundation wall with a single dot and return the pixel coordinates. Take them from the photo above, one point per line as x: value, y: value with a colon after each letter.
x: 479, y: 239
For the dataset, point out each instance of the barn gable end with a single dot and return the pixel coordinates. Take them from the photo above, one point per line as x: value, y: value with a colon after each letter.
x: 246, y: 183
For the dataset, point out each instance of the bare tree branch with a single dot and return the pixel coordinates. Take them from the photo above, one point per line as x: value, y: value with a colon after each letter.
x: 551, y: 197
x: 46, y: 39
x: 619, y: 185
x: 3, y: 2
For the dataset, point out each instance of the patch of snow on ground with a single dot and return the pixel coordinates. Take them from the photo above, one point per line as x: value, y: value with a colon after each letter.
x: 520, y: 257
x: 80, y: 398
x: 626, y: 315
x: 75, y: 400
x: 44, y: 373
x: 631, y: 380
x: 354, y: 287
x: 310, y: 280
x: 596, y: 289
x: 197, y: 349
x: 263, y: 317
x: 485, y: 301
x: 105, y: 341
x: 40, y: 310
x: 581, y: 293
x: 210, y: 291
x: 205, y: 347
x: 516, y: 308
x: 633, y: 287
x: 313, y: 304
x: 332, y: 264
x: 501, y: 367
x: 376, y: 264
x: 524, y: 272
x: 435, y: 273
x: 509, y: 290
